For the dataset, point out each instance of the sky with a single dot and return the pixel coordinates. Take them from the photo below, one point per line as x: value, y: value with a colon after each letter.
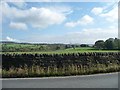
x: 59, y: 22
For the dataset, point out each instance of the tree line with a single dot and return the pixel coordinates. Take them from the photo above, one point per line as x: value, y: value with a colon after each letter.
x: 110, y: 44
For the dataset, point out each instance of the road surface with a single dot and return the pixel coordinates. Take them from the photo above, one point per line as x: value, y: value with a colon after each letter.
x: 88, y: 81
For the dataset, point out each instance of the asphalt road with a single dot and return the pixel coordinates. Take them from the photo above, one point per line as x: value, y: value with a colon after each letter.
x: 88, y: 81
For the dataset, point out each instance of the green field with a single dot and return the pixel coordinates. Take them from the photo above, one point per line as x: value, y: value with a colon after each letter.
x: 44, y: 48
x: 70, y: 50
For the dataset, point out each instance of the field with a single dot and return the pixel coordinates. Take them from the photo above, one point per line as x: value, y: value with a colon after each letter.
x: 70, y: 50
x: 18, y: 47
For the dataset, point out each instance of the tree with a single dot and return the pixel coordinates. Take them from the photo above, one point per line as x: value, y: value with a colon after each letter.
x: 57, y: 47
x: 109, y: 43
x: 84, y: 45
x: 99, y: 44
x: 73, y: 46
x: 117, y: 43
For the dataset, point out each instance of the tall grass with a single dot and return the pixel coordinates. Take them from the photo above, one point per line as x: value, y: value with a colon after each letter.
x: 37, y: 71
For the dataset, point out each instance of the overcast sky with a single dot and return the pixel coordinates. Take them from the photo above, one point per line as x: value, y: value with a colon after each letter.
x: 60, y: 22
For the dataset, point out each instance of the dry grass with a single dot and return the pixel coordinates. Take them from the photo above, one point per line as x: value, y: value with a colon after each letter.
x: 37, y: 71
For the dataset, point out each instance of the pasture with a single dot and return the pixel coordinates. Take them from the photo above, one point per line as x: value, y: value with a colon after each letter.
x: 70, y: 50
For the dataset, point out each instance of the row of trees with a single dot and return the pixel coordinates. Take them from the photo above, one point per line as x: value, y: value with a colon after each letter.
x: 110, y: 44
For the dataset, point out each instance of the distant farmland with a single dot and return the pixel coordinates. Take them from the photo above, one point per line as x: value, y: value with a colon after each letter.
x: 47, y: 49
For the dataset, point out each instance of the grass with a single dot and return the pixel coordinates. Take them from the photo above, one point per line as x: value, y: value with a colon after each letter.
x: 70, y: 50
x: 37, y: 71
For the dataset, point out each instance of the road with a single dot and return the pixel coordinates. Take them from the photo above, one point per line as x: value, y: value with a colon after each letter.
x: 88, y: 81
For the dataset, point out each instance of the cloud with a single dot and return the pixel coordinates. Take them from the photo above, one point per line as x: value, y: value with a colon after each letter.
x: 90, y: 35
x: 20, y: 4
x: 87, y: 35
x: 61, y: 9
x: 112, y: 15
x: 36, y: 17
x: 45, y: 17
x: 108, y: 12
x: 11, y: 39
x: 97, y: 10
x: 85, y: 20
x: 18, y: 26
